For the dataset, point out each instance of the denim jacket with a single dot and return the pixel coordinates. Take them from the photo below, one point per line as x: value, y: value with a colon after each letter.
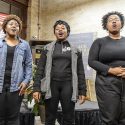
x: 21, y: 67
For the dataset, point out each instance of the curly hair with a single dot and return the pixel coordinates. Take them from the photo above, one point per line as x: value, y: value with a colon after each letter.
x: 59, y: 22
x: 12, y: 17
x: 106, y: 16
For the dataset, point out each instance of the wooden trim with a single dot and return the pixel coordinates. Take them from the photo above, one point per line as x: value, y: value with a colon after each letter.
x: 25, y: 2
x: 38, y: 42
x: 16, y: 3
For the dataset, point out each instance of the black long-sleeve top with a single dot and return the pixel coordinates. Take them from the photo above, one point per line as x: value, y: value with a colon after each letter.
x: 9, y: 63
x: 105, y: 53
x: 61, y: 67
x: 61, y: 62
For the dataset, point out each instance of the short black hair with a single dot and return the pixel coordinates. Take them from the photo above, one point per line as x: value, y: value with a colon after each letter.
x: 59, y: 22
x: 106, y: 16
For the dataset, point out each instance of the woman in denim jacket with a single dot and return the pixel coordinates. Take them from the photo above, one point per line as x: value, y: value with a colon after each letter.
x: 15, y: 70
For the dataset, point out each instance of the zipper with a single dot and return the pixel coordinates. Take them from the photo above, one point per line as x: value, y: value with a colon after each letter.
x: 62, y: 47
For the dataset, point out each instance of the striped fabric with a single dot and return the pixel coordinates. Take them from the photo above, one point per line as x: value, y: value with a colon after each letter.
x: 2, y: 17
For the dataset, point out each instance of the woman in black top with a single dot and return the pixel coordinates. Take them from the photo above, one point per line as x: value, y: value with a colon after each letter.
x: 64, y: 71
x: 107, y: 57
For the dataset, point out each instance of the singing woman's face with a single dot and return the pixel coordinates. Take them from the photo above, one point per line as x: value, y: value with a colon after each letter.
x: 61, y: 32
x: 114, y: 24
x: 12, y: 28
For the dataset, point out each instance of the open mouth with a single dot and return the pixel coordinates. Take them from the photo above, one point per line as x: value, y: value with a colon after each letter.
x: 60, y: 34
x: 114, y: 26
x: 13, y: 30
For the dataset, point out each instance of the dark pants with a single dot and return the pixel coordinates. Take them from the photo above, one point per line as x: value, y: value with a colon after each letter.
x: 110, y: 92
x: 10, y: 103
x: 61, y: 91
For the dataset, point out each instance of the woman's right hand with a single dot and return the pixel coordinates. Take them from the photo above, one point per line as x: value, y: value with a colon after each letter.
x: 37, y: 96
x: 116, y: 71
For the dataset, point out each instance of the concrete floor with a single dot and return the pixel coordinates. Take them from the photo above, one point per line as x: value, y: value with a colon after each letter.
x: 38, y: 121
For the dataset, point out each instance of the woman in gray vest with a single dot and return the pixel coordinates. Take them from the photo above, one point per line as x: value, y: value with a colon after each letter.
x: 61, y: 71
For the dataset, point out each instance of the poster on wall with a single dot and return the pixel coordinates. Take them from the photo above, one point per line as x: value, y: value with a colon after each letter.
x: 2, y: 17
x: 84, y: 41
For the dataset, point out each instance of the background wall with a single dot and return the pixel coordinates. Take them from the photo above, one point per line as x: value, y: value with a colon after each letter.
x: 35, y: 20
x: 83, y: 15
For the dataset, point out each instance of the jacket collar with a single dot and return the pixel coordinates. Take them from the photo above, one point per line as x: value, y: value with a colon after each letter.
x: 2, y: 41
x: 52, y: 45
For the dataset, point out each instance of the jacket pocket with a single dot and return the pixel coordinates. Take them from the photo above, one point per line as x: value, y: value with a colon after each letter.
x: 43, y: 85
x: 21, y: 52
x: 21, y: 55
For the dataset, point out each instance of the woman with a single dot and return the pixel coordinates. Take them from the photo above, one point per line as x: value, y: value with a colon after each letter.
x: 64, y: 75
x: 15, y: 70
x: 107, y: 57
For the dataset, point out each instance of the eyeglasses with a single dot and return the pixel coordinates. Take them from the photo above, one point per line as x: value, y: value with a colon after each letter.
x: 115, y: 19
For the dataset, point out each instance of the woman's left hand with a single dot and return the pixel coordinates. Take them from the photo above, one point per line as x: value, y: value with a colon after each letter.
x: 82, y: 99
x: 22, y: 88
x: 122, y: 75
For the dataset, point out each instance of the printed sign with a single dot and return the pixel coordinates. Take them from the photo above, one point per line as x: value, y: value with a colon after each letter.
x: 83, y: 41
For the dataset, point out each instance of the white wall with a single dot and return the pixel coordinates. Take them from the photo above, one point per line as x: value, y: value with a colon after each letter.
x: 82, y: 18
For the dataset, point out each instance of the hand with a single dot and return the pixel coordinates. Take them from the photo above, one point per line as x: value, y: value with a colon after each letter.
x: 122, y: 75
x: 81, y: 99
x: 116, y: 71
x: 37, y: 96
x: 22, y: 88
